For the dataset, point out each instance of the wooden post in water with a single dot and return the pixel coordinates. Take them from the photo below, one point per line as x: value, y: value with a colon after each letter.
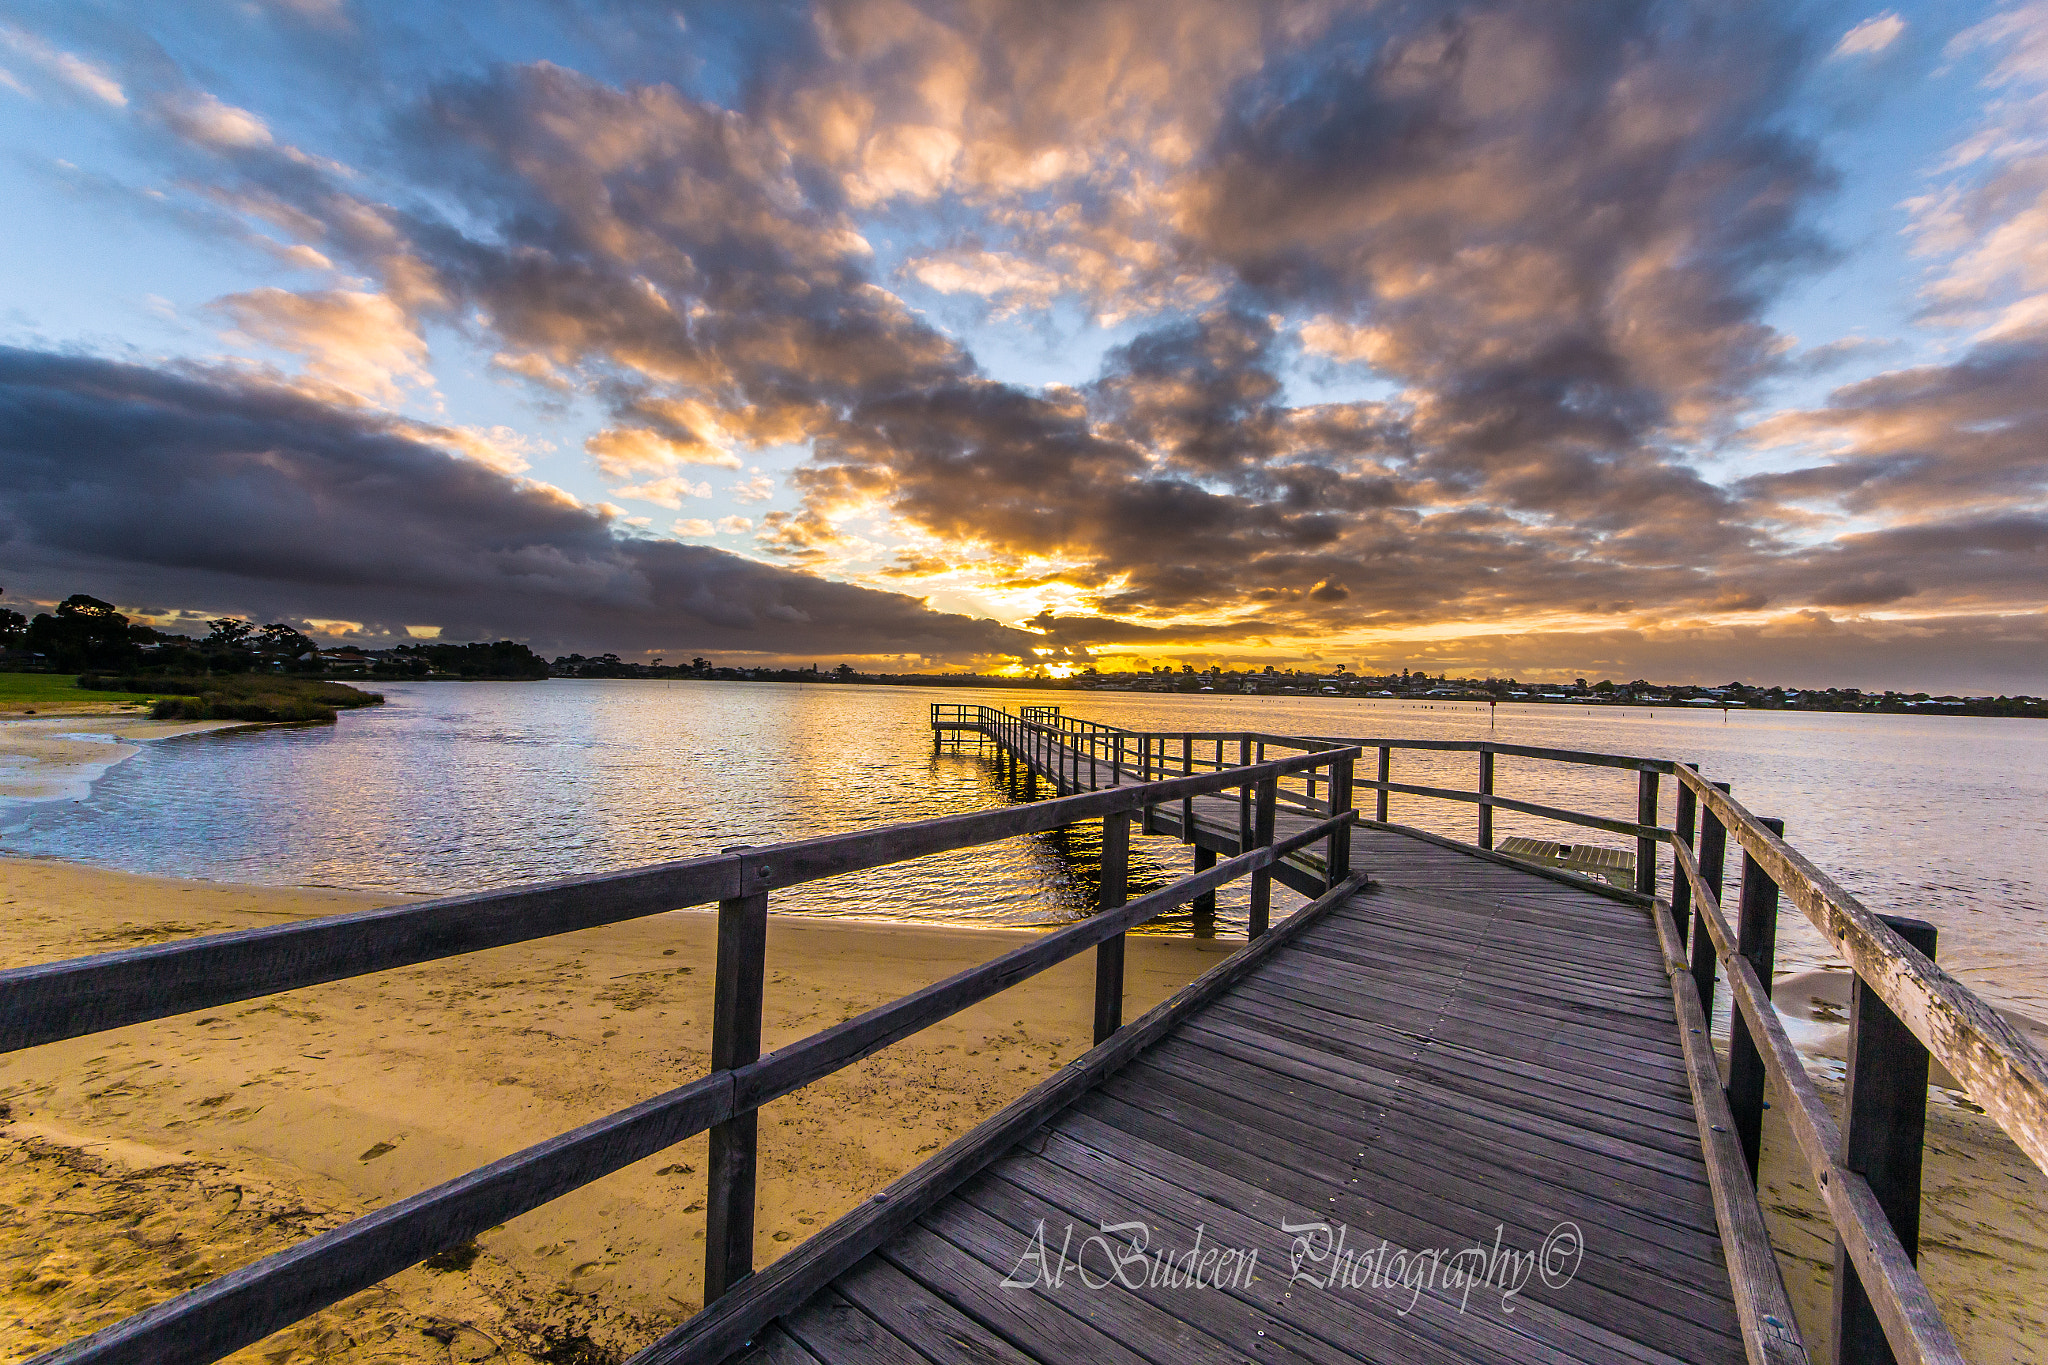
x: 1884, y: 1124
x: 1646, y: 848
x: 735, y: 1042
x: 1205, y: 904
x: 1386, y: 775
x: 1485, y: 790
x: 1109, y: 954
x: 1263, y: 810
x: 1756, y: 938
x: 1713, y: 858
x: 1681, y: 885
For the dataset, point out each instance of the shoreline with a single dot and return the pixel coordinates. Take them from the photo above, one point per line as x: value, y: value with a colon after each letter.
x: 60, y: 756
x: 139, y: 1162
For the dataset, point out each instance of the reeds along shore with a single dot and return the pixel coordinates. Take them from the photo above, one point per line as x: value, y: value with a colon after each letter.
x: 143, y: 1162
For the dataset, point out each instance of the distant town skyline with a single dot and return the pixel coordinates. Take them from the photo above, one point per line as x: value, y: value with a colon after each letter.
x: 1690, y: 341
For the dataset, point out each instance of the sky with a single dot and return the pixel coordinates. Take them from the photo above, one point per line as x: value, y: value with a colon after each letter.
x: 1683, y: 342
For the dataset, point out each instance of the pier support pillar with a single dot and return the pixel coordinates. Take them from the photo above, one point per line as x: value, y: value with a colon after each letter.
x: 1205, y: 904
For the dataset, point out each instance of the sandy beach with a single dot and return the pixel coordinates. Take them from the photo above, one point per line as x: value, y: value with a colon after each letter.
x: 138, y: 1163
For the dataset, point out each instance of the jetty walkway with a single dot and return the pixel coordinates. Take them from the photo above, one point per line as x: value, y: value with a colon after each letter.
x: 1458, y: 1106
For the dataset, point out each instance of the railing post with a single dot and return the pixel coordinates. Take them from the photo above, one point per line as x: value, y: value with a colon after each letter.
x: 1205, y: 904
x: 1756, y: 938
x: 1884, y: 1122
x: 1386, y: 776
x: 735, y: 1042
x: 1109, y: 954
x: 1262, y: 835
x: 1646, y: 849
x: 1187, y: 766
x: 1485, y: 790
x: 1338, y: 860
x: 1713, y: 859
x: 1681, y: 885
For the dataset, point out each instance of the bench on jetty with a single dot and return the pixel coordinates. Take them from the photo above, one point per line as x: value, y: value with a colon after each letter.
x: 1457, y: 1107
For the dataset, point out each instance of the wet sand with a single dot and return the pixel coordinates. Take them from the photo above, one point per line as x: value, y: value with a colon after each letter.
x: 144, y: 1161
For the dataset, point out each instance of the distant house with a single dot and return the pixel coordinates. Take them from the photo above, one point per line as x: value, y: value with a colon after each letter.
x: 345, y: 661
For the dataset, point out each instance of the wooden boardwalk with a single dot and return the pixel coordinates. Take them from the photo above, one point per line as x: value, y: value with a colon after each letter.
x: 1463, y: 1057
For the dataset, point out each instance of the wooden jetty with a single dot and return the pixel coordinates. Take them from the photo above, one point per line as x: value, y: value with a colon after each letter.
x: 1459, y: 1106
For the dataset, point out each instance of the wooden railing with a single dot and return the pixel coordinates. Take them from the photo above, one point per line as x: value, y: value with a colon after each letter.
x: 1904, y: 1009
x: 1083, y: 755
x: 54, y: 1001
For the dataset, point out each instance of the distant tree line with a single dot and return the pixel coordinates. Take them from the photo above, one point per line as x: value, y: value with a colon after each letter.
x: 500, y: 659
x: 86, y: 635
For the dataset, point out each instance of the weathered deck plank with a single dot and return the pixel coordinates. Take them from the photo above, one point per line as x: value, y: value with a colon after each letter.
x: 1464, y: 1046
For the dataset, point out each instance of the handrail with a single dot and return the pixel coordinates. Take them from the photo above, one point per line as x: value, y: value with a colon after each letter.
x: 1884, y: 1266
x: 1644, y: 829
x: 47, y: 1002
x: 1987, y: 1056
x: 59, y: 1000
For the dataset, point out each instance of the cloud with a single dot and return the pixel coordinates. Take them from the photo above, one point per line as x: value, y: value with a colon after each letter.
x: 87, y: 77
x: 735, y: 526
x: 234, y: 493
x: 1963, y: 437
x: 1873, y: 35
x: 362, y: 342
x: 693, y: 526
x: 621, y: 452
x: 1987, y: 218
x: 203, y: 118
x: 1007, y: 280
x: 665, y: 492
x: 757, y: 489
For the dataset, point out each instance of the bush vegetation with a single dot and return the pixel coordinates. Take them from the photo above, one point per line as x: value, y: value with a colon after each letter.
x: 240, y: 696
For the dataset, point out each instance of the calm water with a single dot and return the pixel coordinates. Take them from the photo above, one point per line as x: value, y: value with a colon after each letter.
x: 458, y: 786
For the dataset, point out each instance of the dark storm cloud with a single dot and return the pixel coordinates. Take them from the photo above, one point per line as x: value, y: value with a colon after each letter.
x: 238, y: 493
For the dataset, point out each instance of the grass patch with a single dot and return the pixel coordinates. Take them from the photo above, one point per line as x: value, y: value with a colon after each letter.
x: 235, y: 696
x: 55, y: 691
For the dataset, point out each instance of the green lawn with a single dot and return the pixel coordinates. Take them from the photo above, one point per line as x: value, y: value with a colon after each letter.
x: 24, y: 691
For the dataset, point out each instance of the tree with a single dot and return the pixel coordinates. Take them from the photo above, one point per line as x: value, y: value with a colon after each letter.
x: 13, y: 627
x: 84, y: 633
x: 227, y: 634
x: 280, y: 641
x: 844, y: 672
